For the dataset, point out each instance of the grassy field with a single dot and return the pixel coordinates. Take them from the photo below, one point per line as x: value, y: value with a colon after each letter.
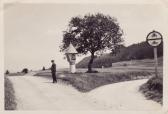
x: 85, y: 82
x: 10, y: 103
x: 142, y: 63
x: 121, y: 71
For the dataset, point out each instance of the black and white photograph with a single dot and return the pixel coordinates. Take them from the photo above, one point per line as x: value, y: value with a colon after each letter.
x: 84, y: 56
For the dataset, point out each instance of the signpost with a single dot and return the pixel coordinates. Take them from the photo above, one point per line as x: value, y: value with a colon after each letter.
x: 154, y: 39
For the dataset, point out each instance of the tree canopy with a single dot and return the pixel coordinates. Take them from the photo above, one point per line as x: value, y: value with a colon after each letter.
x: 94, y: 34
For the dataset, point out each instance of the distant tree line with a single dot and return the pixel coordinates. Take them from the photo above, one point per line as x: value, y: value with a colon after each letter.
x: 133, y: 52
x: 24, y: 70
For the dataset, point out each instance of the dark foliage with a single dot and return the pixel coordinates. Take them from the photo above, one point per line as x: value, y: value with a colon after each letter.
x: 93, y: 34
x: 134, y: 52
x: 93, y: 71
x: 10, y: 100
x: 153, y: 89
x: 25, y: 70
x: 43, y: 68
x: 7, y: 72
x: 156, y: 83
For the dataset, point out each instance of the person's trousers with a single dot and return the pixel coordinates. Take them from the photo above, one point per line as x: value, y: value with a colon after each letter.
x: 54, y: 76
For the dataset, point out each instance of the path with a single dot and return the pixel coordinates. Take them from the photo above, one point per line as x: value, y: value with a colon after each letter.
x: 37, y: 93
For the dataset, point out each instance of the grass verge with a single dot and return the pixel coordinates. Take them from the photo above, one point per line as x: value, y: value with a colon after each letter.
x: 86, y: 82
x: 153, y: 89
x: 10, y: 103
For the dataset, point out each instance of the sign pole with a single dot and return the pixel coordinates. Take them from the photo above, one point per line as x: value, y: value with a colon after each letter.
x: 156, y: 61
x: 154, y: 39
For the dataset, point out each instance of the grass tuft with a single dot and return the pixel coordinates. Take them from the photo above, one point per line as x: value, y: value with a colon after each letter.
x: 10, y: 103
x: 153, y: 89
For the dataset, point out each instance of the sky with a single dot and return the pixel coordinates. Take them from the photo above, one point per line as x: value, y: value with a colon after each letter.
x: 34, y: 32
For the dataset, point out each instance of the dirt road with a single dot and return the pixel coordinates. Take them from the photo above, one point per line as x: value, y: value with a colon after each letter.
x: 37, y: 93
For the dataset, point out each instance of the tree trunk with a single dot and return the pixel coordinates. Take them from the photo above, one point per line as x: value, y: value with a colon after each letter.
x: 90, y: 63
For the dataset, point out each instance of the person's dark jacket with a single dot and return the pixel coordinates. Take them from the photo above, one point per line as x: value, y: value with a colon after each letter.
x: 53, y: 67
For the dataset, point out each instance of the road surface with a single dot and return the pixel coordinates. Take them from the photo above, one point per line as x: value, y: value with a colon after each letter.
x: 37, y: 93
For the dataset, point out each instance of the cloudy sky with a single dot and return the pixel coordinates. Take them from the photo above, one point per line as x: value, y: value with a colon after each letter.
x: 33, y: 32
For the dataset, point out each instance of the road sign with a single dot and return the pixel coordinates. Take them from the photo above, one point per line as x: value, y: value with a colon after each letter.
x: 154, y: 38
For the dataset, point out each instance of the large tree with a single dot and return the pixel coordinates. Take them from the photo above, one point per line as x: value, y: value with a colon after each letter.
x: 92, y: 34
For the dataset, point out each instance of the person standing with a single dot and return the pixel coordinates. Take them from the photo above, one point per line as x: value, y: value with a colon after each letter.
x: 53, y: 71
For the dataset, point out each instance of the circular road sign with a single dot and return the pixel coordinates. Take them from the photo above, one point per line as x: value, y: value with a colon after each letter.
x: 154, y: 38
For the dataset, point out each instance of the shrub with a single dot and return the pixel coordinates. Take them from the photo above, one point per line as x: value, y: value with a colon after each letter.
x: 156, y: 83
x: 94, y: 71
x: 25, y: 70
x: 124, y: 64
x: 43, y: 68
x: 7, y: 72
x: 153, y: 89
